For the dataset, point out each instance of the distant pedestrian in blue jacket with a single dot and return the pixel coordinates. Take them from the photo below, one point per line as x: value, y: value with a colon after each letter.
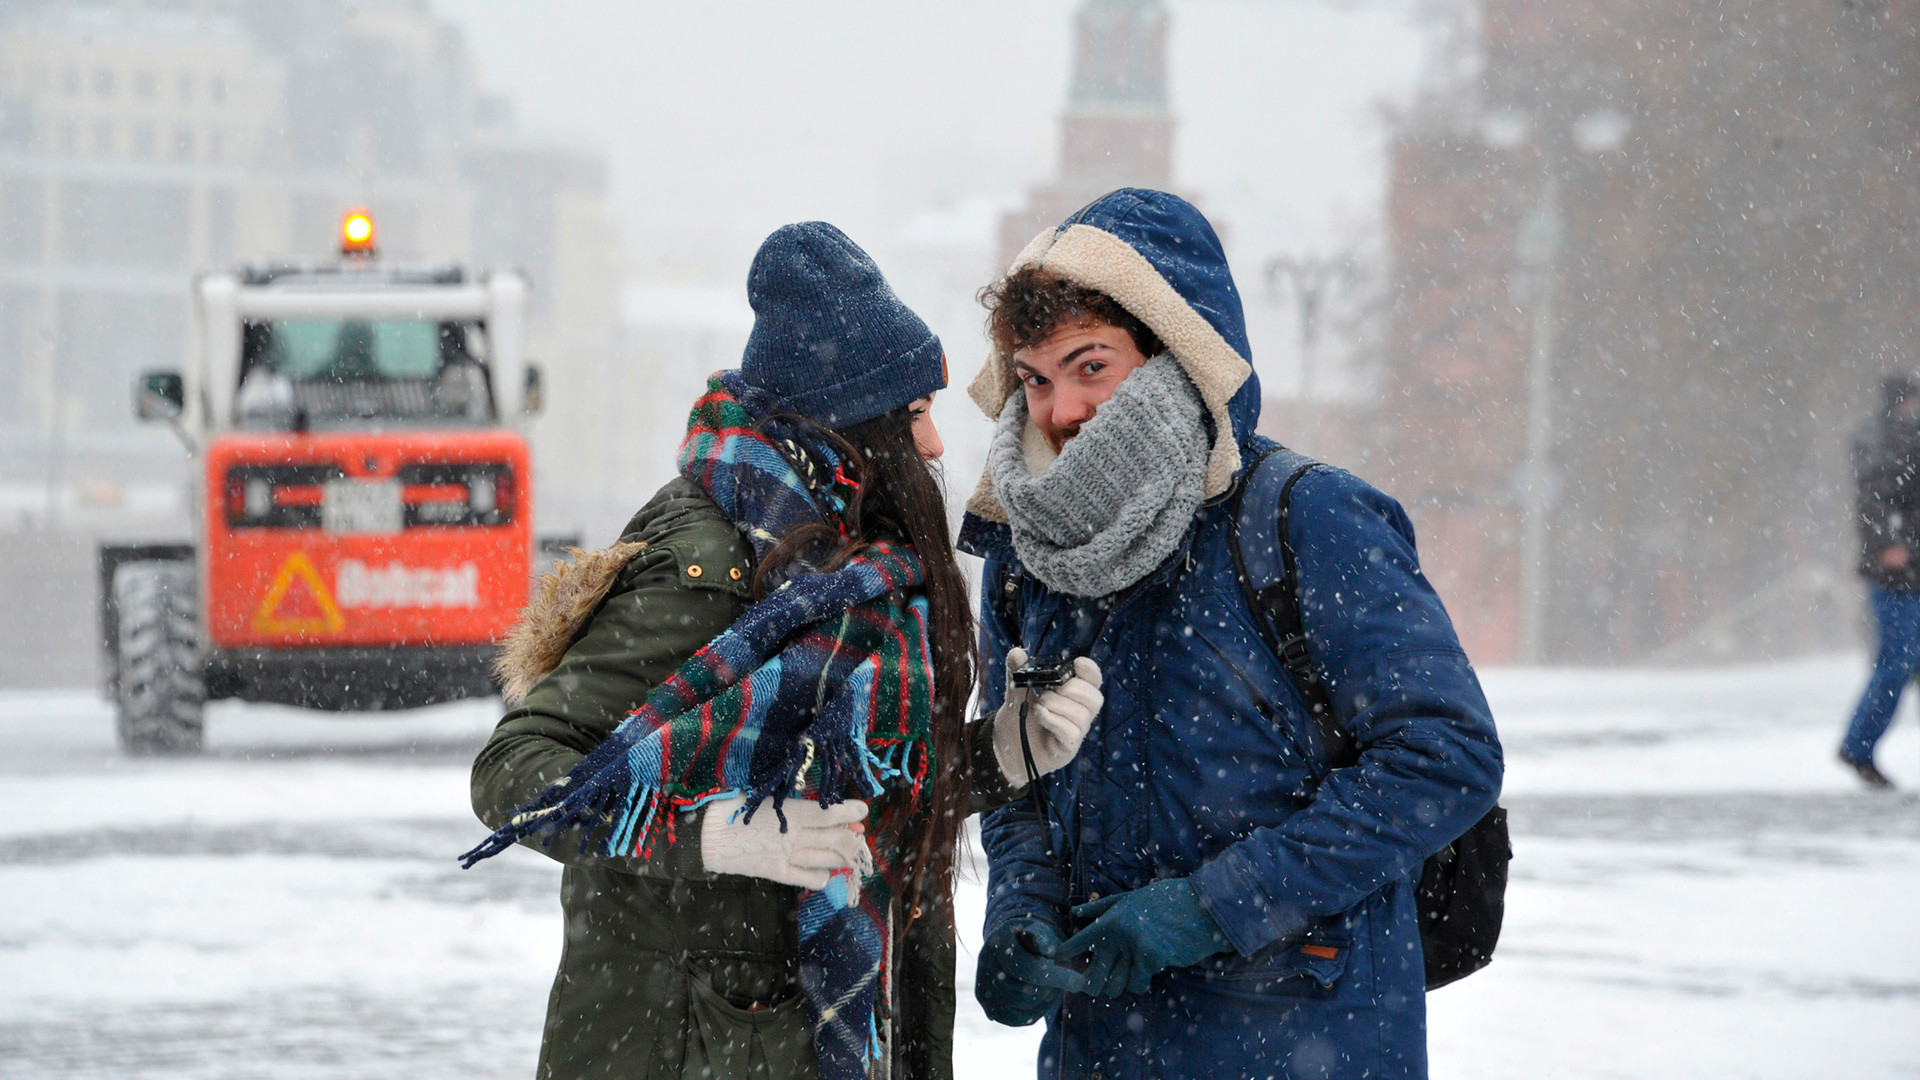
x: 1195, y: 894
x: 1886, y: 473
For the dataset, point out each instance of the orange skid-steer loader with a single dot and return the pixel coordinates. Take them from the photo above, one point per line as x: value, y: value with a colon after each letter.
x: 364, y: 533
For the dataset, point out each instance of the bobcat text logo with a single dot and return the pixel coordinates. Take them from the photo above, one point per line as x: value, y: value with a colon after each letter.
x: 397, y: 585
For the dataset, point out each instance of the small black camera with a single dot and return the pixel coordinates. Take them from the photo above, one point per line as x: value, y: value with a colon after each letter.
x: 1044, y: 672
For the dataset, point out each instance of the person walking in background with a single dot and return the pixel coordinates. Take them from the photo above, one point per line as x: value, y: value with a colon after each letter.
x: 701, y: 715
x: 1886, y: 477
x: 1197, y: 894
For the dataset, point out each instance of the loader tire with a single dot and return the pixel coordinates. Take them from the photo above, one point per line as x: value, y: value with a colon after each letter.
x: 162, y: 691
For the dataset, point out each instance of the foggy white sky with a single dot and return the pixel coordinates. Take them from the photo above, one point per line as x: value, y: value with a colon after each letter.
x: 740, y: 116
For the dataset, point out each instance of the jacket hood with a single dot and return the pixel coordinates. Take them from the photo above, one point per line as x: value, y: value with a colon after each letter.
x: 563, y: 600
x: 1157, y: 256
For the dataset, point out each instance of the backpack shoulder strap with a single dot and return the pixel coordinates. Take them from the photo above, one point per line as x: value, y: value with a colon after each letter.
x: 1263, y: 561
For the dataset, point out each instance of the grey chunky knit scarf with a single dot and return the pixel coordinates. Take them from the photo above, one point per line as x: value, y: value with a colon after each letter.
x: 1117, y: 499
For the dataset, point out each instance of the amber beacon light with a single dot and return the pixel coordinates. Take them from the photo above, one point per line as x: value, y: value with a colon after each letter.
x: 356, y: 232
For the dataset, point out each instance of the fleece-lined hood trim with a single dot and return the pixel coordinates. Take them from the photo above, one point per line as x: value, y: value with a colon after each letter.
x: 1158, y: 258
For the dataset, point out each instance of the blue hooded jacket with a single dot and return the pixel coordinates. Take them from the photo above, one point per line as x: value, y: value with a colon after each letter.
x: 1204, y: 763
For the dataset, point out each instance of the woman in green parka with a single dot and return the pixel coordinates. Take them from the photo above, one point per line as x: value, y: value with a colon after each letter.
x: 742, y: 728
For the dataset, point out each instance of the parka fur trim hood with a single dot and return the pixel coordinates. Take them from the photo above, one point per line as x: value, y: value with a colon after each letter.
x: 565, y: 599
x: 1157, y: 256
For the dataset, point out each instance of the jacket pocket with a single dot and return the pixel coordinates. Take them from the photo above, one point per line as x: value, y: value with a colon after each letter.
x: 1313, y: 966
x: 746, y: 1019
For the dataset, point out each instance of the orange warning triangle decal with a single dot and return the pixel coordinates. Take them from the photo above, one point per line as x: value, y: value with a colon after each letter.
x: 309, y: 608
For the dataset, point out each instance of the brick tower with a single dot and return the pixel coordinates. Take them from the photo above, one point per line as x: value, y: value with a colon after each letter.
x: 1116, y: 130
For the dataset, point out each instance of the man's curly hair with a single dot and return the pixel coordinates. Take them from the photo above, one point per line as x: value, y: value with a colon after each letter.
x: 1027, y: 306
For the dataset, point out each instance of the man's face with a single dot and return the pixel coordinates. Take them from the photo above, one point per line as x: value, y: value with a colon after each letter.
x: 1072, y: 373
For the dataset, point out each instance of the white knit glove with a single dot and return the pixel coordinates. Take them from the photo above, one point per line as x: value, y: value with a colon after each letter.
x: 1057, y: 721
x: 816, y: 843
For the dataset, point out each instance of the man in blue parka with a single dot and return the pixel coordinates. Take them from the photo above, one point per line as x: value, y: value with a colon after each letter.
x: 1196, y: 894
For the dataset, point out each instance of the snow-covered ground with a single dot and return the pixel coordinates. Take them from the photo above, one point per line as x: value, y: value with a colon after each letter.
x: 1699, y: 891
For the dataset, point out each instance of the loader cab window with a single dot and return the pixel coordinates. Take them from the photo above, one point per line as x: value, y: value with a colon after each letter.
x: 344, y: 373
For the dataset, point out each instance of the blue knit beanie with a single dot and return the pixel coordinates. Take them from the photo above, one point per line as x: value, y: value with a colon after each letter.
x: 830, y: 339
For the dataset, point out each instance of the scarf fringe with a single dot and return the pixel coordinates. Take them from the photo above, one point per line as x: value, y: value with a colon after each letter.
x: 566, y: 805
x: 634, y: 814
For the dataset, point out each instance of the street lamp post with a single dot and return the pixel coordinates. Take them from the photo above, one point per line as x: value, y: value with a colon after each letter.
x: 1312, y: 277
x: 1599, y: 131
x: 1536, y: 245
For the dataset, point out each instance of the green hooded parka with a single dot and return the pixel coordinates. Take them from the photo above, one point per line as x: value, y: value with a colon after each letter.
x: 667, y: 970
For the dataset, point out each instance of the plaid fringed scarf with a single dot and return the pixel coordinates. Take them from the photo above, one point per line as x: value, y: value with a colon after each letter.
x: 823, y: 690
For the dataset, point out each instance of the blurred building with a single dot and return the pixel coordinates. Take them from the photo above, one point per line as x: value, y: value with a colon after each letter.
x: 1648, y: 271
x: 1117, y: 129
x: 144, y: 142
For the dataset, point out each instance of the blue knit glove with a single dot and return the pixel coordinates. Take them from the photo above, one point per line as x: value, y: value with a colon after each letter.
x: 1017, y: 981
x: 1136, y: 935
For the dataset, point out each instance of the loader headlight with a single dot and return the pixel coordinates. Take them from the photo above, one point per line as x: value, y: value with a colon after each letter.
x: 259, y: 497
x: 481, y: 495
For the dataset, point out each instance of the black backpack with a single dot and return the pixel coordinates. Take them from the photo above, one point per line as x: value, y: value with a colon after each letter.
x: 1461, y: 894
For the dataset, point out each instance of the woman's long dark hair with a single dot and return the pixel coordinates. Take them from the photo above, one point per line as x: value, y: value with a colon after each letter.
x: 899, y: 499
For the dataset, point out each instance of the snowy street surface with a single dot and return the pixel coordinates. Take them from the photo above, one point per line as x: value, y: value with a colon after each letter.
x: 1699, y: 891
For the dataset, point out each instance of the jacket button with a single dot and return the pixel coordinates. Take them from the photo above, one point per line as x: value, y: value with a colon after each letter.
x: 734, y: 573
x: 694, y: 570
